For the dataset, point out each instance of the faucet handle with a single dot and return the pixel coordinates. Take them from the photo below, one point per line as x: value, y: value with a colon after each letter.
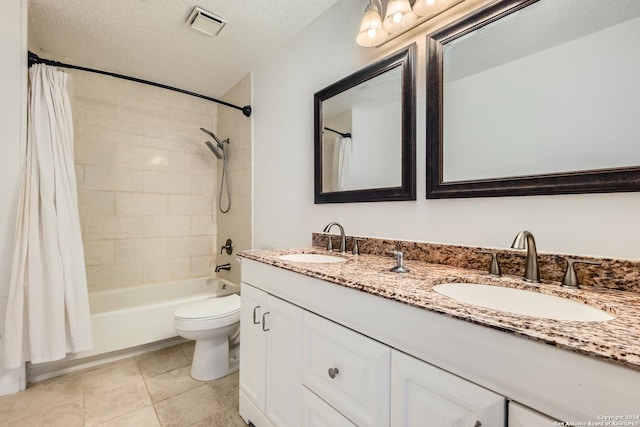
x: 329, y: 243
x: 570, y: 279
x: 356, y: 248
x: 494, y: 266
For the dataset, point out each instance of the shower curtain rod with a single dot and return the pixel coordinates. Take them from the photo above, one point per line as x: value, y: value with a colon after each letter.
x: 35, y: 59
x: 344, y: 135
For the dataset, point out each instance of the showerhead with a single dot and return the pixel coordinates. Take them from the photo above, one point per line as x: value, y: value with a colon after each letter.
x: 208, y: 132
x: 218, y: 151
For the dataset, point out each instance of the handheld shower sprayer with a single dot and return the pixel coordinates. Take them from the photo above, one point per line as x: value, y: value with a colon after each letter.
x: 219, y: 152
x: 215, y: 150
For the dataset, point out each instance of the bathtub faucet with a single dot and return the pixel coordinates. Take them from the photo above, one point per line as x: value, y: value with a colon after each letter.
x: 226, y: 266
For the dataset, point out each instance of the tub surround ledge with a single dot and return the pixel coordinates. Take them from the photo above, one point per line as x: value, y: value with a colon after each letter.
x: 616, y: 341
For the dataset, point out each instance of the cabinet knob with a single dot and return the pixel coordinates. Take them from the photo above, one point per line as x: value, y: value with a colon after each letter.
x: 477, y: 424
x: 333, y: 372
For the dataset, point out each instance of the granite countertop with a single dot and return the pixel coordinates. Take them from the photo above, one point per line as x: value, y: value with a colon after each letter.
x: 616, y: 341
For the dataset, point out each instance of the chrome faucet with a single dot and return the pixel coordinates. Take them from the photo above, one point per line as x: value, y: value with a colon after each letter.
x: 531, y: 262
x: 343, y: 238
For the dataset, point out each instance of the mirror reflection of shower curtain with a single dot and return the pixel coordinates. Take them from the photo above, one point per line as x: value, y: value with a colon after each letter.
x: 48, y: 308
x: 342, y: 154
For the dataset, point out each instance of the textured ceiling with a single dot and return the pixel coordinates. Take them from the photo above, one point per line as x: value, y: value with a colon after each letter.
x: 149, y: 39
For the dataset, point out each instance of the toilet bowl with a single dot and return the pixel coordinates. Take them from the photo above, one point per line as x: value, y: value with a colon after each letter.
x: 214, y: 324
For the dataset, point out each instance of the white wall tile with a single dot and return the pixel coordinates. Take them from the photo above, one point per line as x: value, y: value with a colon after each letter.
x: 96, y: 202
x: 112, y: 276
x: 99, y: 227
x: 109, y: 122
x: 79, y: 176
x: 189, y: 205
x: 167, y: 182
x: 179, y: 161
x: 204, y: 163
x: 188, y: 246
x: 166, y: 226
x: 141, y: 111
x: 112, y: 178
x: 95, y: 153
x: 203, y: 225
x: 141, y: 204
x: 201, y: 266
x: 204, y: 184
x: 112, y: 135
x: 131, y: 156
x: 166, y: 269
x: 99, y: 252
x: 140, y: 249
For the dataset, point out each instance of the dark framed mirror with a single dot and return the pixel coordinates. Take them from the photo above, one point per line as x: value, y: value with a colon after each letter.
x: 520, y: 104
x: 364, y: 134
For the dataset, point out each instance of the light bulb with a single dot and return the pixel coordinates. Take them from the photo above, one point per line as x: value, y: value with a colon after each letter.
x: 429, y: 7
x: 399, y: 16
x: 371, y: 32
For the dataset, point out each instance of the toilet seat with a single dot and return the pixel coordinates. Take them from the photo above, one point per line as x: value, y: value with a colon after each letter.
x: 208, y: 314
x: 210, y: 308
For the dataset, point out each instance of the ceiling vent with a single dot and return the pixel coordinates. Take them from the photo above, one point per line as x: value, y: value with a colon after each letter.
x: 206, y: 22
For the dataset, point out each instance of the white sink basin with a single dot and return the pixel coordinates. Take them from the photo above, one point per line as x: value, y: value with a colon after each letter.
x: 526, y: 303
x: 315, y: 258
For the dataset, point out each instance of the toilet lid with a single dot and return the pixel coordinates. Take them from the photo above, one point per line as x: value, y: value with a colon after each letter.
x: 210, y: 308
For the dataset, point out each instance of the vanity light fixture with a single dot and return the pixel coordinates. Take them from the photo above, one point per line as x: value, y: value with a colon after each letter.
x: 399, y: 17
x: 424, y: 7
x: 371, y: 31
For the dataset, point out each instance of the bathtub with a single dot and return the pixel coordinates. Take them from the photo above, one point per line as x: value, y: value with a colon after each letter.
x: 138, y: 315
x: 130, y: 321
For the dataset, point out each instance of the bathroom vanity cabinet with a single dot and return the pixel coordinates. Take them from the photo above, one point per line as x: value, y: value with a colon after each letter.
x: 342, y: 357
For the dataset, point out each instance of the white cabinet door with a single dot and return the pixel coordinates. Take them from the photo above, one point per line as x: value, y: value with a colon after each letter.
x: 423, y: 395
x: 519, y: 416
x: 270, y: 359
x: 252, y: 347
x: 283, y: 325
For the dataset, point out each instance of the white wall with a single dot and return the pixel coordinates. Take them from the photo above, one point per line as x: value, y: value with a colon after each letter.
x: 284, y: 213
x: 13, y: 77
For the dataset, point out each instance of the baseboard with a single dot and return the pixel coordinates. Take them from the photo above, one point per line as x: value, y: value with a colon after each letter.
x: 44, y: 371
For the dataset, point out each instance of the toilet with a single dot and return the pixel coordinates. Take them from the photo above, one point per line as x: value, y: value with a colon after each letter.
x: 214, y: 324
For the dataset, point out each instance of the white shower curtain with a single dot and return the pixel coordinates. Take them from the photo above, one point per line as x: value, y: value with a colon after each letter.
x: 344, y: 162
x: 48, y: 308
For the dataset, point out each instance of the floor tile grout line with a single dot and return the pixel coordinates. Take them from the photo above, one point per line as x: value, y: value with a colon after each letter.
x: 84, y: 379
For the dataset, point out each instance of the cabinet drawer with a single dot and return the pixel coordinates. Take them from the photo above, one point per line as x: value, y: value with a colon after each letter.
x: 348, y: 370
x: 318, y: 413
x: 519, y: 416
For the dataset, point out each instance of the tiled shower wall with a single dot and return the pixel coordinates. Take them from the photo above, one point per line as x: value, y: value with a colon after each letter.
x: 236, y: 224
x: 145, y: 182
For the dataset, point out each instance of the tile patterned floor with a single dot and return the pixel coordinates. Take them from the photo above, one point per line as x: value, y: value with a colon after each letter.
x: 150, y: 390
